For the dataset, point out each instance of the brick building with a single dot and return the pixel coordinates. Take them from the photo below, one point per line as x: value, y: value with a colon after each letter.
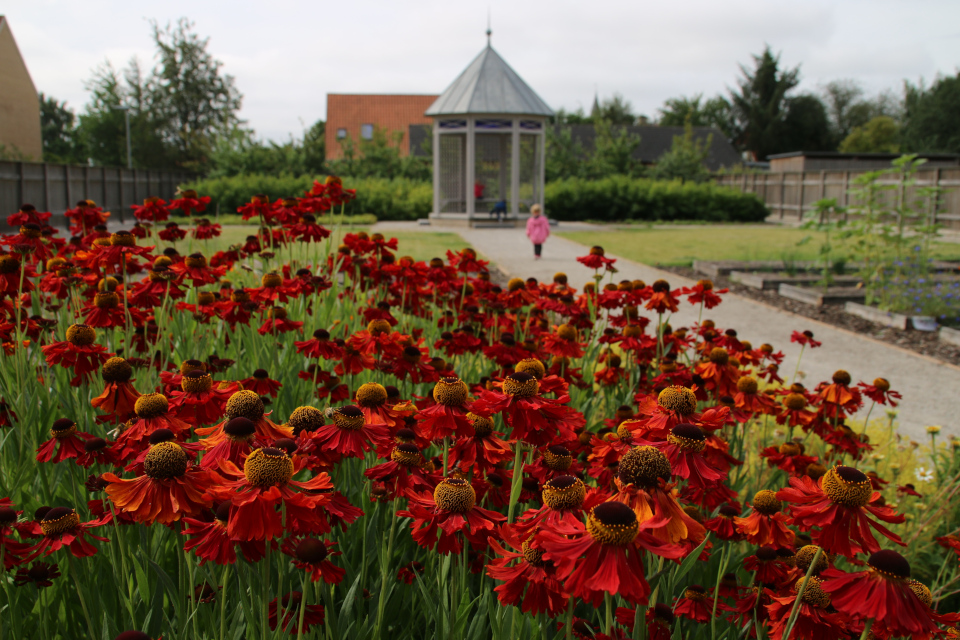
x: 357, y: 115
x: 19, y: 103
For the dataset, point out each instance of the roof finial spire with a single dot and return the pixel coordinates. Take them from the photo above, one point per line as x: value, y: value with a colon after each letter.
x: 489, y: 31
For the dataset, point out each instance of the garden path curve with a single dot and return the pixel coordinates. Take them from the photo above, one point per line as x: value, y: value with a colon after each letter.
x: 930, y: 388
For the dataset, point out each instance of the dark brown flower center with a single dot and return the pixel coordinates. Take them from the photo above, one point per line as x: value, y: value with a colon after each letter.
x: 371, y: 395
x: 305, y: 419
x: 564, y: 492
x: 455, y: 495
x: 847, y: 486
x: 450, y: 392
x: 520, y: 384
x: 688, y: 437
x: 165, y: 460
x: 151, y: 405
x: 532, y: 366
x: 311, y: 551
x: 890, y: 563
x: 613, y: 524
x: 268, y: 467
x: 349, y: 417
x: 81, y: 335
x: 58, y: 521
x: 766, y: 502
x: 643, y: 467
x: 678, y: 399
x: 246, y: 404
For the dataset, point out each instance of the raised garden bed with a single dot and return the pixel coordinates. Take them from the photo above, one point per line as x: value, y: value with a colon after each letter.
x: 949, y: 335
x: 714, y: 269
x: 772, y: 281
x: 890, y: 318
x: 944, y: 346
x: 817, y: 296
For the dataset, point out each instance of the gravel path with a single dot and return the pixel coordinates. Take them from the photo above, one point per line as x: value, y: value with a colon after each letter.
x: 929, y: 387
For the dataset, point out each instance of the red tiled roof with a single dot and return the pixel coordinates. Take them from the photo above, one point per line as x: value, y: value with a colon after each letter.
x: 388, y: 112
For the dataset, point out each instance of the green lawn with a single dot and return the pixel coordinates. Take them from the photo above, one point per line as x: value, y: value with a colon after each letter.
x: 420, y: 245
x: 681, y: 246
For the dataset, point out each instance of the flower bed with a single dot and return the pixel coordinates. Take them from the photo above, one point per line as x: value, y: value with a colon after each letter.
x: 291, y: 437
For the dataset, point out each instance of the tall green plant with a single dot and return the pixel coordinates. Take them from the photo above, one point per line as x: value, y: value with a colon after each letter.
x: 892, y: 227
x: 822, y: 220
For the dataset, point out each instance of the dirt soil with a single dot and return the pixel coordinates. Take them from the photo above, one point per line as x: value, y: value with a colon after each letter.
x: 923, y: 342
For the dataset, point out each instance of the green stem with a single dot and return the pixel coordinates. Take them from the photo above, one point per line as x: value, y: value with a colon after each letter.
x: 265, y: 598
x: 608, y: 615
x: 516, y: 483
x: 303, y: 605
x: 797, y: 370
x: 223, y: 602
x: 803, y: 586
x: 83, y: 603
x: 384, y: 568
x: 866, y: 630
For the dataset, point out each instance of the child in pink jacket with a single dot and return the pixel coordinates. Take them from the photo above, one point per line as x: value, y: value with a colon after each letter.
x: 538, y: 229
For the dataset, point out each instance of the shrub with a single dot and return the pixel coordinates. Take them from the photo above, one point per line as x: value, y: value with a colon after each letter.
x: 613, y: 198
x: 621, y: 198
x: 387, y: 199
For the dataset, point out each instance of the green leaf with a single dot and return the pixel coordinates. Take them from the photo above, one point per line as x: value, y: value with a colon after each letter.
x: 689, y: 561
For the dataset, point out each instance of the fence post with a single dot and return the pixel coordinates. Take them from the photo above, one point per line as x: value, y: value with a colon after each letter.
x: 800, y: 207
x: 122, y: 205
x: 21, y: 183
x: 783, y: 188
x: 936, y: 195
x: 823, y: 189
x: 844, y: 196
x: 86, y: 182
x: 103, y: 187
x: 46, y: 187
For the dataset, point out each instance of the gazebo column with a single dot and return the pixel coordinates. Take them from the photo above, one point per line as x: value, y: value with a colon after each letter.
x: 436, y: 166
x: 515, y: 168
x: 471, y: 167
x: 541, y: 190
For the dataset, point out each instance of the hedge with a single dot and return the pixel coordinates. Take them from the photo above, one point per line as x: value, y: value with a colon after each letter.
x: 619, y: 198
x: 394, y: 199
x: 615, y: 198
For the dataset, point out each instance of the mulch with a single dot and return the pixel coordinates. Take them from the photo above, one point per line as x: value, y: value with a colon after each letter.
x: 922, y: 342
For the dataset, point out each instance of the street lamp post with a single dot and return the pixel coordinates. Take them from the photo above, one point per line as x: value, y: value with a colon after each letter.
x: 126, y: 120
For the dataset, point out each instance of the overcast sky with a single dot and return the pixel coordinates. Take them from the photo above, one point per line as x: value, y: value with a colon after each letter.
x: 286, y: 55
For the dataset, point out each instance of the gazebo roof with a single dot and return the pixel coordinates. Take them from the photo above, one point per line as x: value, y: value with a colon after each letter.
x: 489, y: 85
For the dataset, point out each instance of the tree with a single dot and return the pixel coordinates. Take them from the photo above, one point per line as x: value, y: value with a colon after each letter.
x: 715, y: 112
x: 613, y: 149
x: 930, y: 116
x: 179, y: 111
x: 315, y: 146
x: 879, y: 135
x: 58, y: 126
x: 805, y: 126
x: 564, y: 155
x: 759, y: 106
x: 102, y: 129
x: 848, y: 110
x: 570, y: 117
x: 842, y: 99
x: 685, y: 160
x: 191, y: 100
x: 615, y: 110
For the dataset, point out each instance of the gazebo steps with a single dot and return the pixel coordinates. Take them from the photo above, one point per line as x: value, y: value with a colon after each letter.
x: 479, y: 221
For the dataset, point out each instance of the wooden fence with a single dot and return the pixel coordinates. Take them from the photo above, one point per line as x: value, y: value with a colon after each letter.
x: 793, y: 194
x: 58, y: 187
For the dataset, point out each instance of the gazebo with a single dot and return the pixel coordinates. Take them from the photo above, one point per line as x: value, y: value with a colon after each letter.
x: 488, y: 145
